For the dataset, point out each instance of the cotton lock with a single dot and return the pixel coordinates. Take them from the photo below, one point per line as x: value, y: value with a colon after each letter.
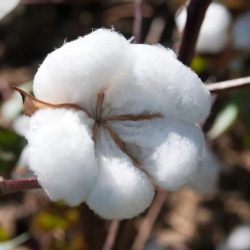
x: 114, y: 121
x: 214, y: 34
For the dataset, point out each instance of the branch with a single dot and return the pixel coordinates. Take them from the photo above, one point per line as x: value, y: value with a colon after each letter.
x: 229, y: 85
x: 111, y: 236
x: 137, y: 21
x: 196, y: 11
x: 10, y: 186
x: 149, y: 221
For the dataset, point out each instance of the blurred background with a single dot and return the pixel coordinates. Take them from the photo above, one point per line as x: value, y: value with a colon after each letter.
x: 188, y: 219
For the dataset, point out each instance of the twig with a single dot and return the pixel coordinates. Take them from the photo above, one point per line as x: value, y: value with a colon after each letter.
x: 229, y: 85
x: 111, y: 236
x: 155, y: 31
x: 196, y: 10
x: 10, y: 186
x: 149, y: 221
x: 137, y: 21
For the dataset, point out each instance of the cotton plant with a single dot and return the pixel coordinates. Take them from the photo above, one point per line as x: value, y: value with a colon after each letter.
x: 214, y: 34
x: 111, y: 120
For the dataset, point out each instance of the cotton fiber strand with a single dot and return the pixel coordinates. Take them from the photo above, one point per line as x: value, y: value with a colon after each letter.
x: 121, y: 190
x: 62, y: 154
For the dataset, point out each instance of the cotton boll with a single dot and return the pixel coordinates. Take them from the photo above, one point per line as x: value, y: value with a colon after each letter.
x: 78, y: 70
x: 61, y: 154
x: 241, y: 34
x: 121, y: 190
x: 239, y: 239
x: 169, y: 151
x: 206, y: 178
x: 214, y: 32
x: 163, y: 85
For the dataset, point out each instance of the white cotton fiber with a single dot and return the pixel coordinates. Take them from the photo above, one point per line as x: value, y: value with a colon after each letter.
x: 62, y: 154
x: 241, y: 34
x: 161, y: 84
x: 169, y: 150
x: 214, y: 33
x: 206, y: 178
x: 121, y: 190
x: 239, y: 239
x: 78, y: 70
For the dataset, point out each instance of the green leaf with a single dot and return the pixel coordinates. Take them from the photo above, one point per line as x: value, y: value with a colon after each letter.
x: 224, y: 120
x: 9, y: 245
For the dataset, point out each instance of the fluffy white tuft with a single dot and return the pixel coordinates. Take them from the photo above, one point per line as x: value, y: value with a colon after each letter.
x: 121, y: 190
x: 78, y: 70
x: 169, y: 150
x: 61, y: 154
x: 241, y: 34
x: 161, y: 84
x: 206, y: 178
x: 214, y: 33
x: 239, y: 239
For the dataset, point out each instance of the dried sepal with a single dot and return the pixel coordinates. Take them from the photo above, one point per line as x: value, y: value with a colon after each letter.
x: 32, y: 104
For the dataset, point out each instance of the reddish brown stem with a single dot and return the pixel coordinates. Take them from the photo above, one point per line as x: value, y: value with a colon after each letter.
x: 196, y: 11
x: 111, y: 236
x: 10, y: 186
x: 137, y: 21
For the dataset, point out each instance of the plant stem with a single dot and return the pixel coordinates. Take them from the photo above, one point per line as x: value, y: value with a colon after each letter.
x: 10, y: 186
x: 196, y: 10
x: 137, y: 21
x: 149, y: 221
x: 111, y: 236
x: 229, y: 85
